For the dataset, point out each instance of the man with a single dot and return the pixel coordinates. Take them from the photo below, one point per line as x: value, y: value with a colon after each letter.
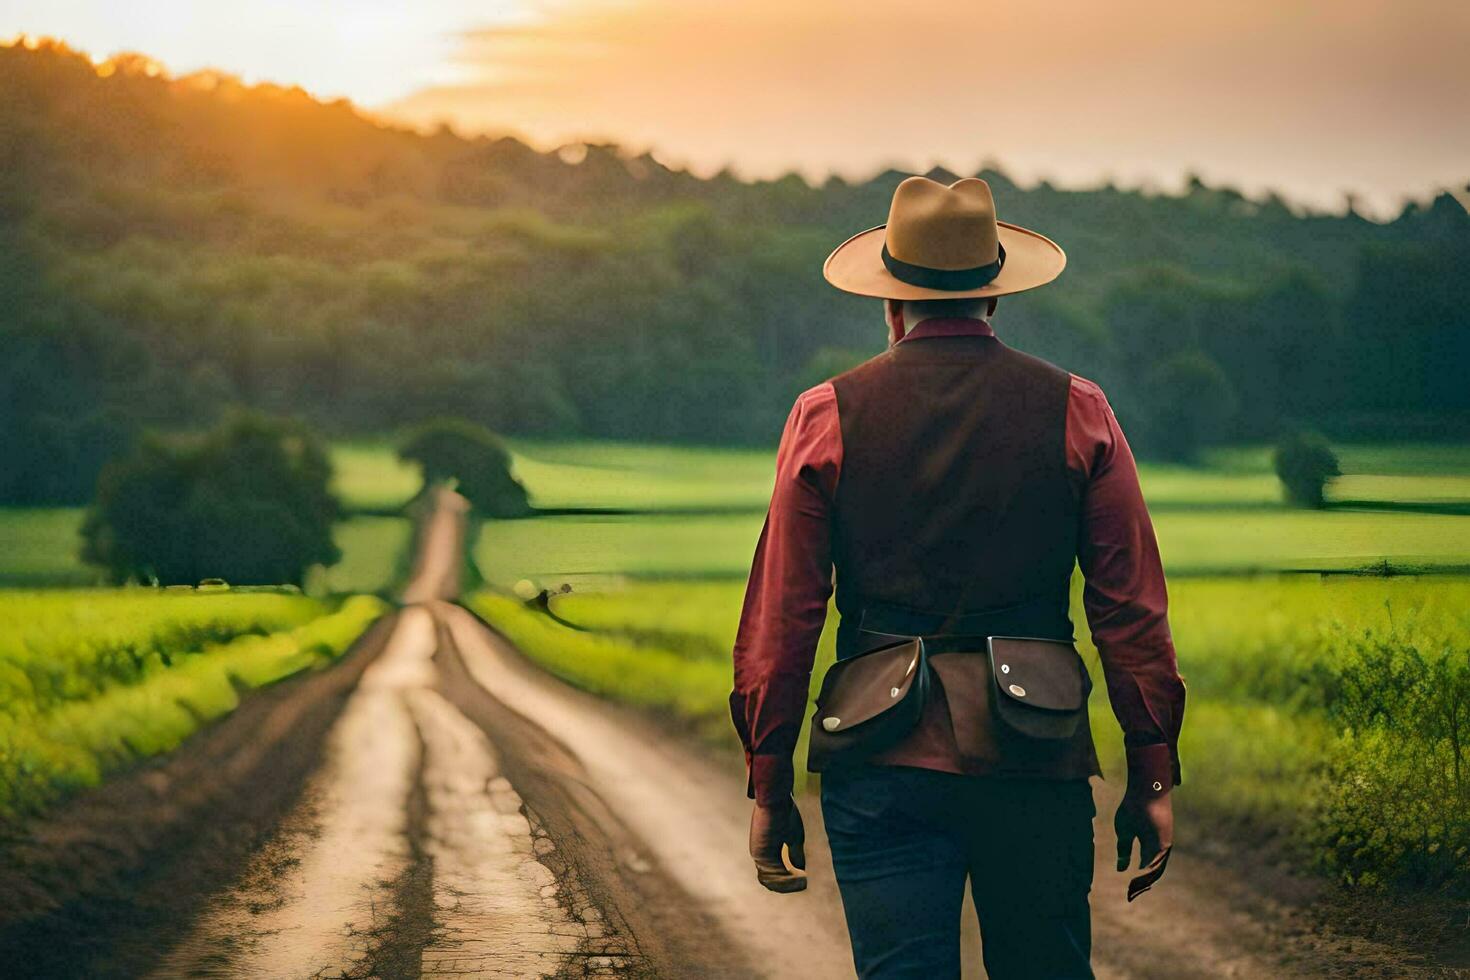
x: 951, y: 480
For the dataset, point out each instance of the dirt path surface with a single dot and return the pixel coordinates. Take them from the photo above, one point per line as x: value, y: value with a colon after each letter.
x: 436, y: 805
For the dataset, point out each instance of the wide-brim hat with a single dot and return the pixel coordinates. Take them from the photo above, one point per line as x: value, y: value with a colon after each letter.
x: 943, y: 243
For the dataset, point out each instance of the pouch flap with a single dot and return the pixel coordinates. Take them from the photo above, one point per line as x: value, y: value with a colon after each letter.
x: 860, y: 688
x: 1044, y: 674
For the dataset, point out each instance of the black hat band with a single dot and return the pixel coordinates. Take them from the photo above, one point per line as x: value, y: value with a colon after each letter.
x: 946, y: 279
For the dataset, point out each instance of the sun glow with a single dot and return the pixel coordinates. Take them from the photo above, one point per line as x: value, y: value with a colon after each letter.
x: 1139, y: 91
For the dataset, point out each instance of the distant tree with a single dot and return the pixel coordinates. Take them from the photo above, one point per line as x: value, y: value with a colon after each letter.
x: 472, y: 457
x: 248, y: 503
x: 1190, y: 405
x: 1305, y: 463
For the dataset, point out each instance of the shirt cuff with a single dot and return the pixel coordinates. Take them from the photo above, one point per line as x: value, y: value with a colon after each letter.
x: 771, y: 779
x: 1152, y: 770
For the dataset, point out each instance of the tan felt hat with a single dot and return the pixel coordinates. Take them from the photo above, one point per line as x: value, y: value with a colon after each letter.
x: 943, y: 243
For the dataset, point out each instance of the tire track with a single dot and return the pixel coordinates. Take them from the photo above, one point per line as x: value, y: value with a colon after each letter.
x: 318, y: 896
x: 409, y: 854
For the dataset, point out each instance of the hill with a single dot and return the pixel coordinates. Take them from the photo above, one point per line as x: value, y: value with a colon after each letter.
x: 170, y: 247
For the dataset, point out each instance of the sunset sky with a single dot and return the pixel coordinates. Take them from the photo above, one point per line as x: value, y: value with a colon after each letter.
x: 1314, y: 99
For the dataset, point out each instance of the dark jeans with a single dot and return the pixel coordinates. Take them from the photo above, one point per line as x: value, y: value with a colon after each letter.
x: 904, y: 840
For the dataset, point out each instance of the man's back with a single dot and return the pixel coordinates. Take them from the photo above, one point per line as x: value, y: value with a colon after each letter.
x: 955, y: 496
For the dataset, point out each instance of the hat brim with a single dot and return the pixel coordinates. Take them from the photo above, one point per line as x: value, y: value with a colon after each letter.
x: 856, y: 266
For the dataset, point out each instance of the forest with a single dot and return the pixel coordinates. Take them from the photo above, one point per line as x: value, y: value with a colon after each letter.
x: 172, y: 248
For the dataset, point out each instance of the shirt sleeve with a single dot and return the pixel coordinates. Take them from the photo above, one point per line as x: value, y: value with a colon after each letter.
x: 786, y: 598
x: 1125, y: 596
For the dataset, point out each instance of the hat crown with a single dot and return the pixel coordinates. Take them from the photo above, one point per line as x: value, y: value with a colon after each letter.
x: 946, y: 228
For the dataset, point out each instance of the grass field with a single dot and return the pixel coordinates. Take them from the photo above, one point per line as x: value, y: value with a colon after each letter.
x: 38, y: 549
x: 1224, y: 518
x: 92, y: 680
x: 369, y: 476
x: 39, y: 546
x: 1266, y: 655
x: 592, y: 551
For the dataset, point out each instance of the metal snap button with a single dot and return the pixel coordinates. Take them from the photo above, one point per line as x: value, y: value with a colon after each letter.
x: 1017, y: 690
x: 831, y: 722
x: 1158, y: 785
x: 893, y: 693
x: 1005, y: 668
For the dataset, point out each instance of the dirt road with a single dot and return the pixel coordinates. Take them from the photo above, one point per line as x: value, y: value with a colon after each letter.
x: 436, y: 805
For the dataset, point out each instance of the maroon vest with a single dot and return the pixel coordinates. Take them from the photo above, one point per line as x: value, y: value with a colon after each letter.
x: 955, y: 513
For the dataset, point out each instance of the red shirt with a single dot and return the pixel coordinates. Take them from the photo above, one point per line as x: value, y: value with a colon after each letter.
x: 791, y: 581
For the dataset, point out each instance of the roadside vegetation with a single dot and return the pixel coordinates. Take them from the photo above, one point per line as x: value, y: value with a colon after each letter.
x: 1329, y: 715
x: 92, y: 681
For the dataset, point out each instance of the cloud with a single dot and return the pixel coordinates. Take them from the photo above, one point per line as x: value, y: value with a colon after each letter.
x: 1313, y: 98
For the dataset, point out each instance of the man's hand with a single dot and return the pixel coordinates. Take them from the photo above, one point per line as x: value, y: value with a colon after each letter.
x: 1148, y: 819
x: 778, y: 846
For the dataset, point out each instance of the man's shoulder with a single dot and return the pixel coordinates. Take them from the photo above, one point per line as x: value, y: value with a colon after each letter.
x: 813, y: 406
x: 1087, y: 389
x: 816, y: 396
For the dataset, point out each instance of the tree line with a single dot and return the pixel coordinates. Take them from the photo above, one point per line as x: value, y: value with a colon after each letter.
x: 172, y: 248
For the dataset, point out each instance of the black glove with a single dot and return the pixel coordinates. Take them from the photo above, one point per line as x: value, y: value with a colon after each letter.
x: 778, y: 846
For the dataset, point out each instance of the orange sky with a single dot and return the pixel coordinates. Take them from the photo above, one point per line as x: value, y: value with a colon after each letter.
x: 1313, y: 98
x: 1316, y: 98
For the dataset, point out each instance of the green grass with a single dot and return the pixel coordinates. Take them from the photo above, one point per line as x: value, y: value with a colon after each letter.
x: 657, y: 598
x: 374, y: 554
x: 585, y: 550
x: 92, y: 681
x: 630, y: 476
x: 69, y: 645
x: 1253, y: 651
x: 593, y: 551
x: 1393, y: 459
x: 641, y: 673
x: 1205, y: 542
x: 1226, y: 519
x: 38, y: 547
x: 368, y: 476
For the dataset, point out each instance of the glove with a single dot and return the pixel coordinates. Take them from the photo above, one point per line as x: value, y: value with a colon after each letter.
x: 778, y: 846
x: 1148, y: 819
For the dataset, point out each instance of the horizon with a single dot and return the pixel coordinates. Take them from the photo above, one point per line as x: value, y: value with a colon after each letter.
x: 1139, y: 98
x: 1169, y: 188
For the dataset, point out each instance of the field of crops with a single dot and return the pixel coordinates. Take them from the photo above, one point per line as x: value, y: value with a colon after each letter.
x: 1299, y: 685
x: 91, y: 680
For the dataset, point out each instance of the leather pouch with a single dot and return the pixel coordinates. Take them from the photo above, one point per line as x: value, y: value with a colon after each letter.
x: 1040, y: 686
x: 868, y: 703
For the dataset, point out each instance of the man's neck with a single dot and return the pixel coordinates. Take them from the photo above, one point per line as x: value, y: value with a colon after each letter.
x: 910, y: 322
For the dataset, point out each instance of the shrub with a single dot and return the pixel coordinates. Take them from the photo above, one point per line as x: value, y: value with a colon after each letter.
x: 472, y: 457
x: 1396, y: 807
x: 1305, y: 463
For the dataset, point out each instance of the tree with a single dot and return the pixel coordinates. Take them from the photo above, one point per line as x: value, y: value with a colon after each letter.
x: 472, y: 457
x: 1305, y: 463
x: 1191, y: 403
x: 249, y: 503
